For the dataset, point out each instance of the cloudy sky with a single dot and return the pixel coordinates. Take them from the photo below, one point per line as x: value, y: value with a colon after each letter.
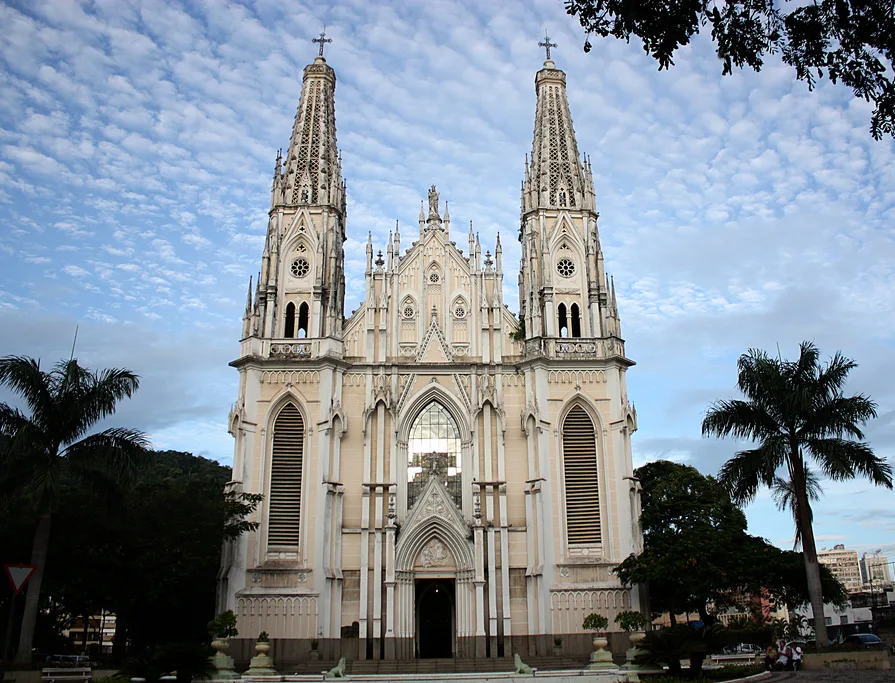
x: 138, y: 137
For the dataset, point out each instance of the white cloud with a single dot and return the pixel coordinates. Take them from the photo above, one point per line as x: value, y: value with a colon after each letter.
x: 137, y: 142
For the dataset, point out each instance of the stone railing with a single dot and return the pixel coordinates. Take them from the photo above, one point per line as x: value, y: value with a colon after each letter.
x: 294, y: 349
x: 574, y: 348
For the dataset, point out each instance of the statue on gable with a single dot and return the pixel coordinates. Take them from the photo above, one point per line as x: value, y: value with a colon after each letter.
x: 433, y: 203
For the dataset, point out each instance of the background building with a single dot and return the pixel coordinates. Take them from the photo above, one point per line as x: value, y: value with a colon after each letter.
x: 441, y: 478
x: 844, y: 566
x: 875, y: 568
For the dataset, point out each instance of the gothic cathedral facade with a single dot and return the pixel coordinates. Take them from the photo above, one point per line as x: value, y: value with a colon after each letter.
x: 440, y: 477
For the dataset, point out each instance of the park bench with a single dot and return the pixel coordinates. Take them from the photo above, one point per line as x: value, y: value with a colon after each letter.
x: 67, y: 675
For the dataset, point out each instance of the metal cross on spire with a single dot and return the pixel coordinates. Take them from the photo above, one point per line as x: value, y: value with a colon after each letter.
x: 323, y: 40
x: 547, y: 44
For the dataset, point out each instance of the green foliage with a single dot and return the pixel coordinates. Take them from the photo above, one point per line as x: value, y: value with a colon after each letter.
x: 53, y: 446
x: 595, y: 622
x: 629, y: 620
x: 223, y: 625
x: 795, y: 412
x: 724, y: 673
x: 189, y: 662
x: 519, y: 333
x: 263, y: 637
x: 164, y: 536
x: 852, y: 41
x: 670, y: 645
x: 697, y: 552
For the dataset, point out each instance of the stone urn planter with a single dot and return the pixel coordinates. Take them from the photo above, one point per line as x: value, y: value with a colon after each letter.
x: 221, y: 629
x: 636, y: 637
x: 261, y: 664
x: 222, y: 662
x: 600, y: 658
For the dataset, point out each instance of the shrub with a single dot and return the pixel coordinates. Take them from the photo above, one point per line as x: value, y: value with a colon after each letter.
x: 595, y: 622
x: 631, y: 621
x: 223, y: 625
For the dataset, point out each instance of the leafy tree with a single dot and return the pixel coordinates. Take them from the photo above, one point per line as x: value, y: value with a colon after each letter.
x: 155, y: 553
x: 53, y: 444
x: 796, y: 411
x: 697, y: 554
x: 852, y: 41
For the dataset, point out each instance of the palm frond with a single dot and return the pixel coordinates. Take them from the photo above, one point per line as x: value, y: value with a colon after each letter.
x: 24, y: 376
x: 785, y: 498
x: 749, y: 470
x: 11, y: 420
x: 740, y: 419
x: 831, y: 378
x: 119, y: 451
x: 837, y: 416
x: 842, y: 459
x: 100, y: 393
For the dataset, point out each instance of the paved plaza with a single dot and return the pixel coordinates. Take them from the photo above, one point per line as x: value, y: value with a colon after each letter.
x: 842, y: 676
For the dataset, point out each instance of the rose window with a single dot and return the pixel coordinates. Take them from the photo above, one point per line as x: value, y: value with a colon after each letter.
x: 300, y: 267
x: 565, y: 267
x: 459, y: 311
x: 434, y: 278
x: 408, y: 311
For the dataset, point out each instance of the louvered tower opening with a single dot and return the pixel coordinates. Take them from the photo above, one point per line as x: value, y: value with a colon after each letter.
x: 285, y: 478
x: 579, y: 450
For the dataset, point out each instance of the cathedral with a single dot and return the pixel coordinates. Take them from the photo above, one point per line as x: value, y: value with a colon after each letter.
x: 440, y: 477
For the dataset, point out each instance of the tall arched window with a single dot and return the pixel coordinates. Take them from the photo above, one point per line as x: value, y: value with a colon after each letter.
x: 576, y: 321
x: 579, y: 452
x: 285, y: 478
x: 289, y: 327
x: 563, y: 321
x: 303, y: 320
x: 434, y: 449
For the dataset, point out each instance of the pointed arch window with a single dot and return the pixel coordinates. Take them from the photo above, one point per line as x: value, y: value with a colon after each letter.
x: 579, y: 452
x: 434, y: 449
x: 563, y: 320
x: 576, y: 320
x: 287, y: 459
x: 303, y: 320
x: 289, y: 326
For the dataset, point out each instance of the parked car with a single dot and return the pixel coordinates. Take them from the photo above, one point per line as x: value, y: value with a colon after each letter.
x: 867, y: 641
x: 804, y: 644
x: 743, y: 649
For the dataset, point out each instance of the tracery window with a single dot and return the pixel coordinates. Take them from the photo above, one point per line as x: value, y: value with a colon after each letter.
x: 300, y: 267
x: 434, y: 449
x: 565, y: 267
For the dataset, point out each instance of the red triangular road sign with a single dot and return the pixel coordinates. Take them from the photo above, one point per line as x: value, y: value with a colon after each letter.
x: 19, y: 574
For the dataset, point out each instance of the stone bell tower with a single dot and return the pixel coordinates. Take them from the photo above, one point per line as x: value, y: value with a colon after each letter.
x: 563, y: 290
x: 301, y: 287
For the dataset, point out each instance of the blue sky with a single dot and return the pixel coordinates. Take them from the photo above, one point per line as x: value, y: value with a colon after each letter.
x: 138, y: 137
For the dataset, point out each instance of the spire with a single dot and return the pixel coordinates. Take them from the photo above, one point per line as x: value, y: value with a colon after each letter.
x: 313, y: 170
x: 249, y: 299
x: 555, y: 176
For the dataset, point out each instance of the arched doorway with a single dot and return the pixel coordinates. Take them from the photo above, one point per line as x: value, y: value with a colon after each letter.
x: 435, y: 618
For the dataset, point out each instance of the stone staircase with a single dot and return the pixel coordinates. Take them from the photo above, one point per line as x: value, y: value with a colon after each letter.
x: 433, y: 666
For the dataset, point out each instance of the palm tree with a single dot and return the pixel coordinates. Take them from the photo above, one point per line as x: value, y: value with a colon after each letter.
x: 785, y: 498
x: 53, y: 445
x: 795, y: 411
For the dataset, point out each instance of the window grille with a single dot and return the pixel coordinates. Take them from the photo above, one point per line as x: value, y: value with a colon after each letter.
x: 285, y: 478
x: 579, y: 446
